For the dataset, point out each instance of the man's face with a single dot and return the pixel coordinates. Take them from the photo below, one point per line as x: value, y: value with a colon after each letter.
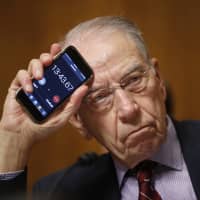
x: 133, y: 125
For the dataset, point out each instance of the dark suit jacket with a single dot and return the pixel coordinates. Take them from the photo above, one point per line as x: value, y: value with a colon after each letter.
x: 97, y: 179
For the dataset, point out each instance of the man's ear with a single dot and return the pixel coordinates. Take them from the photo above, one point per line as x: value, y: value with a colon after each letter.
x: 155, y: 64
x: 77, y: 122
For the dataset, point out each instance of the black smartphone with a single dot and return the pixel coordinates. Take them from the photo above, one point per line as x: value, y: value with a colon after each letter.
x: 68, y: 71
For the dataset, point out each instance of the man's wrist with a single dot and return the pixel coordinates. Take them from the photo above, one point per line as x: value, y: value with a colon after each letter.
x: 13, y: 153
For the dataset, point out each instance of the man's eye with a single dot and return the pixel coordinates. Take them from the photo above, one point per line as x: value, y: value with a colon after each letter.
x: 99, y: 98
x: 134, y: 80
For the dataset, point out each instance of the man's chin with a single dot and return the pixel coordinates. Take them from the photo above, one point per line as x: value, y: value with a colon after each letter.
x: 133, y: 156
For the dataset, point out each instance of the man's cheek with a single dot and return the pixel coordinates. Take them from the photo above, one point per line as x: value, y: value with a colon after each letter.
x: 100, y: 128
x: 148, y: 105
x: 154, y: 100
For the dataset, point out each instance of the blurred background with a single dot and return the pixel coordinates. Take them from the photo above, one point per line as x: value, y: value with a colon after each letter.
x: 171, y: 29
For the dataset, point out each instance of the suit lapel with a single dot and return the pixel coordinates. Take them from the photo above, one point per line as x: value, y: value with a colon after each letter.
x: 189, y: 136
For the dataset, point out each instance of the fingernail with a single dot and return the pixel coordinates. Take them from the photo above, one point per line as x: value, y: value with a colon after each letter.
x: 28, y: 88
x: 38, y: 73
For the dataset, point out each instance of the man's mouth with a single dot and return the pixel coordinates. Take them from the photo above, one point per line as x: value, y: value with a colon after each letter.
x: 141, y: 134
x: 142, y: 128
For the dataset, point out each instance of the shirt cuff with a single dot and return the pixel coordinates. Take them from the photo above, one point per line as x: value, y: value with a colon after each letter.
x: 10, y: 175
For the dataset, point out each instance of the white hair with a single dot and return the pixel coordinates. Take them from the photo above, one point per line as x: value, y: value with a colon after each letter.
x: 106, y: 24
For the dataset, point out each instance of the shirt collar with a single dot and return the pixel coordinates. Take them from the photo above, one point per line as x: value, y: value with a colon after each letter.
x: 168, y: 155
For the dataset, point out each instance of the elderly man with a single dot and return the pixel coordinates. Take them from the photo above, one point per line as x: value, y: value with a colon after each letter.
x: 124, y: 109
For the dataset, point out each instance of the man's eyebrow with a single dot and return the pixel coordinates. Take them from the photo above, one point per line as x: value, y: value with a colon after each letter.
x: 131, y: 70
x: 94, y: 89
x: 91, y: 90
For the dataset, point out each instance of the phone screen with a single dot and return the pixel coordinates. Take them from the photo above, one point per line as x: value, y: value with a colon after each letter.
x: 60, y: 79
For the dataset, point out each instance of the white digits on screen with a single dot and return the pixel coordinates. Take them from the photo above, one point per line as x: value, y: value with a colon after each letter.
x: 63, y: 79
x: 69, y: 86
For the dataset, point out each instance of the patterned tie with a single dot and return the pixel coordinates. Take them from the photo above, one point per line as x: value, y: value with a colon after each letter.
x: 144, y: 177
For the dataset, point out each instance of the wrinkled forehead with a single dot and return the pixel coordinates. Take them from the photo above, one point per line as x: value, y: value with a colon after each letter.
x: 110, y: 55
x: 99, y: 47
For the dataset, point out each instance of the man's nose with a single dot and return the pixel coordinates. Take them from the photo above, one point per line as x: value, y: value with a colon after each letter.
x: 126, y: 107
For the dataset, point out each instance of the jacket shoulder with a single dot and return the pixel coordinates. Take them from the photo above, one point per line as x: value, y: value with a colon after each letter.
x: 189, y: 137
x: 81, y: 176
x: 188, y: 127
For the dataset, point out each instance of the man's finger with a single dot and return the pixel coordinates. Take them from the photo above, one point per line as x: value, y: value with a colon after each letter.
x: 78, y: 95
x: 55, y: 49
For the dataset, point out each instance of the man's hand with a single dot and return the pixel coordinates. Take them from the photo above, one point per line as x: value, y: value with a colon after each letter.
x: 18, y: 133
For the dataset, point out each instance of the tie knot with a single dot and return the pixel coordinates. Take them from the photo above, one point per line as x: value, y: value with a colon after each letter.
x: 144, y: 171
